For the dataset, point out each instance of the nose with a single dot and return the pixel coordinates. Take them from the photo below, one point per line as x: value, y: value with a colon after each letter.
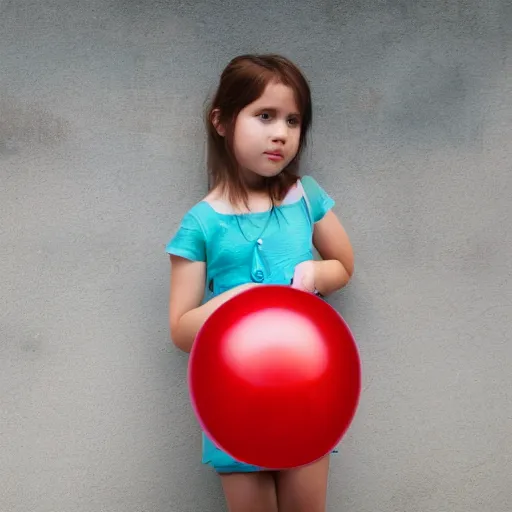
x: 280, y: 132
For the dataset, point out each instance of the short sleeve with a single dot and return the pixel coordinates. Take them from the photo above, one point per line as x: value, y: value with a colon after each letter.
x: 320, y: 202
x: 189, y: 241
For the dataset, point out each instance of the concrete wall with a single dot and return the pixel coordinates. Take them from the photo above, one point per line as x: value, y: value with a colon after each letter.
x: 101, y: 152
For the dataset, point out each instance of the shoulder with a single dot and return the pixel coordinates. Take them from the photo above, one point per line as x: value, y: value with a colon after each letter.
x: 308, y: 180
x: 191, y: 237
x: 312, y: 186
x: 200, y: 216
x: 320, y: 202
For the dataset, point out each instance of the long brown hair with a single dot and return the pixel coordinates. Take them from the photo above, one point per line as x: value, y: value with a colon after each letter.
x: 242, y: 82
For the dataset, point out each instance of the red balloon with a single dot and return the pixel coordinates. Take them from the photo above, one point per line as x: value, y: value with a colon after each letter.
x: 275, y: 377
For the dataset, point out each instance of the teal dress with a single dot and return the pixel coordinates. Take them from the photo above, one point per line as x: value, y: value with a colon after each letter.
x: 262, y: 247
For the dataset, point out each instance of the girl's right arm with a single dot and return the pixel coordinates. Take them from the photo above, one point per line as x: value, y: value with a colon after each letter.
x: 186, y: 314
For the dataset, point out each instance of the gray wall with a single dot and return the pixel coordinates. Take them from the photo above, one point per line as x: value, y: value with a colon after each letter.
x: 101, y: 153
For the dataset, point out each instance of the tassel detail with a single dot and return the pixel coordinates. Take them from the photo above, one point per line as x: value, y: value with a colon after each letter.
x: 259, y: 267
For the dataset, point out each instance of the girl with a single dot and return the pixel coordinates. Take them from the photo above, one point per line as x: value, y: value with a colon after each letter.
x: 258, y: 224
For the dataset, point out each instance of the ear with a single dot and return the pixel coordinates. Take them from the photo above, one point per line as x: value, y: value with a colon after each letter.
x: 215, y: 120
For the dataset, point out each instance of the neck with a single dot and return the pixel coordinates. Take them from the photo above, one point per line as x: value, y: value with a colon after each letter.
x: 254, y: 183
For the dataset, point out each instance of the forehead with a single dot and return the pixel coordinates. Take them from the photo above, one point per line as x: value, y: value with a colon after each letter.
x: 277, y: 96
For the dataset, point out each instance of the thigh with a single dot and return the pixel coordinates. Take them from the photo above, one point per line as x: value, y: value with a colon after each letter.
x: 250, y: 492
x: 303, y: 489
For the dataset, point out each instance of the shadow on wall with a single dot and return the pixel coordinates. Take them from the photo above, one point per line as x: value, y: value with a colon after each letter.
x: 413, y: 74
x: 23, y: 125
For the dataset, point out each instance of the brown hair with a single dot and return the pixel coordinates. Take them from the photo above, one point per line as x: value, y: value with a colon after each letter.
x: 242, y: 82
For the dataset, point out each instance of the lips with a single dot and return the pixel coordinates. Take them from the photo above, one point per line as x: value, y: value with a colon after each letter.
x: 274, y: 155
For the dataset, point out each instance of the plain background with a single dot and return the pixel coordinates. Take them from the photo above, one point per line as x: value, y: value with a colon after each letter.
x: 102, y: 152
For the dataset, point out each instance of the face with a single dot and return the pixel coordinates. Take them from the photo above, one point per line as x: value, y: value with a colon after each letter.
x: 267, y: 133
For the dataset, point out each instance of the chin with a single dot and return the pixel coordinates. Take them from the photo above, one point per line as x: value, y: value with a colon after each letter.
x: 266, y: 173
x: 270, y: 173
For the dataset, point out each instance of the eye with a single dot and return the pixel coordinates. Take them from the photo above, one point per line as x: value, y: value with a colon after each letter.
x: 294, y: 121
x: 264, y: 116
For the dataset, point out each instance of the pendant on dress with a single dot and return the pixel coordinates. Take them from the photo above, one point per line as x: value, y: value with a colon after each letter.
x: 259, y: 268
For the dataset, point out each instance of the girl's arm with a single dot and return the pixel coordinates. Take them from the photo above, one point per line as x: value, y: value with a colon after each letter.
x: 186, y: 314
x: 331, y: 241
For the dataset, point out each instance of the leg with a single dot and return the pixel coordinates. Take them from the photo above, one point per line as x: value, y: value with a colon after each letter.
x: 303, y: 489
x: 250, y: 492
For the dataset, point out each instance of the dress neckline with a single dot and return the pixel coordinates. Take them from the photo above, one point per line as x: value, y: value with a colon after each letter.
x: 246, y: 214
x: 281, y: 206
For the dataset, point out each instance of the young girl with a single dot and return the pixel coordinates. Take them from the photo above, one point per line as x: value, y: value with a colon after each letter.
x: 257, y: 225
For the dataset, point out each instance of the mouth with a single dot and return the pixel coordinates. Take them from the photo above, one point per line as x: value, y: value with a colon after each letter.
x: 274, y: 155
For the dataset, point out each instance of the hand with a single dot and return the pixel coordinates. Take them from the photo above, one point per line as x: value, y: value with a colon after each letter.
x: 304, y: 276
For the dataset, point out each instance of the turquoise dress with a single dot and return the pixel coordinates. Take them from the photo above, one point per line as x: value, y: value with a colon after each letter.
x: 262, y: 247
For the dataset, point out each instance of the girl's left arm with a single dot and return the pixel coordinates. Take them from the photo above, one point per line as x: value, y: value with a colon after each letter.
x: 336, y: 267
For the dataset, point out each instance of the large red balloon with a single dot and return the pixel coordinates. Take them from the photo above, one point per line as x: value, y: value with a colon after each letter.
x: 275, y: 377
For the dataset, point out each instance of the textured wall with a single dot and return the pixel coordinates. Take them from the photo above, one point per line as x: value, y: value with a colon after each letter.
x: 101, y: 152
